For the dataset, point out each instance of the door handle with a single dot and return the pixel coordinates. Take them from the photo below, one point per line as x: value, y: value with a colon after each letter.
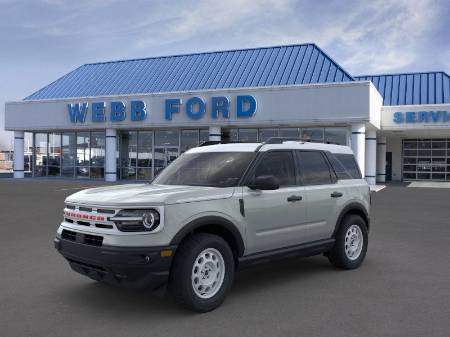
x: 336, y: 194
x: 294, y: 198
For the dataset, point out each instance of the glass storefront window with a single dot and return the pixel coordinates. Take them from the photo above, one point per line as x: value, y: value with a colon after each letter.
x: 289, y: 132
x: 68, y: 154
x: 233, y: 135
x: 97, y: 155
x: 40, y: 154
x: 128, y: 151
x: 204, y: 135
x: 145, y: 155
x: 313, y: 134
x: 54, y: 154
x: 189, y: 139
x: 166, y: 137
x: 248, y: 135
x: 142, y: 154
x: 83, y: 154
x: 336, y: 136
x: 265, y: 134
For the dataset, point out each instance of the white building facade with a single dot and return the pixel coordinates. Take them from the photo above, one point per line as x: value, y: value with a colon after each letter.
x: 127, y: 120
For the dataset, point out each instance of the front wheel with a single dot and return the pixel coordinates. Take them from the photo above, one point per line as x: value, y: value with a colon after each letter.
x: 202, y: 272
x: 351, y: 243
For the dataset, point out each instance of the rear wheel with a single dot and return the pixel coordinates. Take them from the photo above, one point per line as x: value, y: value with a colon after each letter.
x: 202, y: 272
x: 350, y: 247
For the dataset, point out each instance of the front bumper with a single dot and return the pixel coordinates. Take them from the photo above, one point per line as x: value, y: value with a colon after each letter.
x: 138, y: 267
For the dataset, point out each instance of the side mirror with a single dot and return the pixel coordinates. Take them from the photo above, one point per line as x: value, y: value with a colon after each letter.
x: 267, y: 182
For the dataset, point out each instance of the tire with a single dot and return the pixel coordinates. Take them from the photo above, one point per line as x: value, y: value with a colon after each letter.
x: 348, y: 252
x: 202, y: 261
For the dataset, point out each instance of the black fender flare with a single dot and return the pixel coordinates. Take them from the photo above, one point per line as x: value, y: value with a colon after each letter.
x: 354, y: 207
x: 214, y: 221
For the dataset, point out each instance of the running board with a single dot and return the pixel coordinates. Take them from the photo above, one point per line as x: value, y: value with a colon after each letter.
x: 303, y: 250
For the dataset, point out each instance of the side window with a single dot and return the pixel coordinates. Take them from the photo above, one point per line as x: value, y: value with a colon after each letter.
x: 314, y: 169
x: 349, y: 163
x: 279, y: 164
x: 340, y: 170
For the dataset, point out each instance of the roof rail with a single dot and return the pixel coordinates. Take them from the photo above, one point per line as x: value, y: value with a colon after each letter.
x: 210, y: 142
x: 281, y: 140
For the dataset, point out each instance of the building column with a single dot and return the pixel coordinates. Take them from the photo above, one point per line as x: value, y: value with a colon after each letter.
x: 371, y: 157
x: 359, y: 145
x: 215, y: 133
x: 18, y: 166
x: 381, y: 160
x: 110, y: 155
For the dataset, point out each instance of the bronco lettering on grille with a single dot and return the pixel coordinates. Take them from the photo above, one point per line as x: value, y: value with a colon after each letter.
x: 84, y: 216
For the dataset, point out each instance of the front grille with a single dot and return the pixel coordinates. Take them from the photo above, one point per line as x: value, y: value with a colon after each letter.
x: 87, y: 239
x: 83, y: 223
x: 106, y: 211
x: 101, y: 225
x: 69, y: 235
x: 93, y: 240
x: 89, y: 216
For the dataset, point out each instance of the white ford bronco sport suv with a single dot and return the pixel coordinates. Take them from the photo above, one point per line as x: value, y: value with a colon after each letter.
x: 218, y: 208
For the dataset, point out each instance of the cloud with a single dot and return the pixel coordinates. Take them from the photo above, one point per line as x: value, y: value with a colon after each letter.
x: 365, y: 37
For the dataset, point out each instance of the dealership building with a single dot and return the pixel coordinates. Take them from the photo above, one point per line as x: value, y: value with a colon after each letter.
x: 129, y: 119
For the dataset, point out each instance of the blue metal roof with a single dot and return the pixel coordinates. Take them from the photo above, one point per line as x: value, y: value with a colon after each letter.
x: 257, y: 67
x: 412, y: 88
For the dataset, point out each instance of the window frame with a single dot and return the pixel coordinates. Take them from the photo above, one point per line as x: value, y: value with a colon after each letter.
x: 332, y: 173
x: 354, y: 162
x: 249, y: 173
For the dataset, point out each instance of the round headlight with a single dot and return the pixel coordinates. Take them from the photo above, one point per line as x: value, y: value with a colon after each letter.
x: 137, y: 220
x: 150, y: 219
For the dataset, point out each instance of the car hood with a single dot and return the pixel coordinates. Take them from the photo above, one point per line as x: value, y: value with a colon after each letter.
x: 147, y: 194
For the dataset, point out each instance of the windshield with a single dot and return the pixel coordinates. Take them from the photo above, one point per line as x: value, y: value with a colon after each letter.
x: 217, y: 169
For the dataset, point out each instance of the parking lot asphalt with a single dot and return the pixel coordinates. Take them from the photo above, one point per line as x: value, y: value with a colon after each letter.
x: 402, y: 289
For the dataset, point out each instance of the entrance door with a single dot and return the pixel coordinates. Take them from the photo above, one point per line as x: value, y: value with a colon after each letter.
x: 164, y: 155
x: 275, y: 218
x: 388, y: 166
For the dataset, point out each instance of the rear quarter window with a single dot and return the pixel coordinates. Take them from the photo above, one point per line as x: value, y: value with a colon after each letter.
x: 313, y: 168
x: 345, y: 166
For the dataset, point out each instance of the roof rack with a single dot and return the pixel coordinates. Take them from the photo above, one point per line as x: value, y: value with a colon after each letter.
x: 281, y: 140
x: 210, y: 142
x: 271, y: 140
x: 215, y: 142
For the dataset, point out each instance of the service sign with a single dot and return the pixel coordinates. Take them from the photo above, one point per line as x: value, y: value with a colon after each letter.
x: 426, y: 117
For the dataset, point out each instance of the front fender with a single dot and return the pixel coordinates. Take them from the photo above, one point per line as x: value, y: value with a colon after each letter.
x: 210, y: 218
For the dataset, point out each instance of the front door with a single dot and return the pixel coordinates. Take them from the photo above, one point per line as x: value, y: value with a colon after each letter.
x: 323, y: 194
x: 274, y: 218
x: 164, y: 155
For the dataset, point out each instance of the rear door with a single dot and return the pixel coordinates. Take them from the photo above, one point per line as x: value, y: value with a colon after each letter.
x: 324, y: 195
x: 274, y: 218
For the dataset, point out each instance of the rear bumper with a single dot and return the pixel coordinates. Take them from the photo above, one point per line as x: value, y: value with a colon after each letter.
x: 139, y: 267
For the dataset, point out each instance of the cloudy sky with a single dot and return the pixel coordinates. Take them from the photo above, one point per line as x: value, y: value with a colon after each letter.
x: 41, y: 40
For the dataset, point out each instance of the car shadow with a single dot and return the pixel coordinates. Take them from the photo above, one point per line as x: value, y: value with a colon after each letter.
x: 274, y: 275
x: 132, y: 304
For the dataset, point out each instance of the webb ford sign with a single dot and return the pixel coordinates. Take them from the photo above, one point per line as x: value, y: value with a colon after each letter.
x: 194, y: 108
